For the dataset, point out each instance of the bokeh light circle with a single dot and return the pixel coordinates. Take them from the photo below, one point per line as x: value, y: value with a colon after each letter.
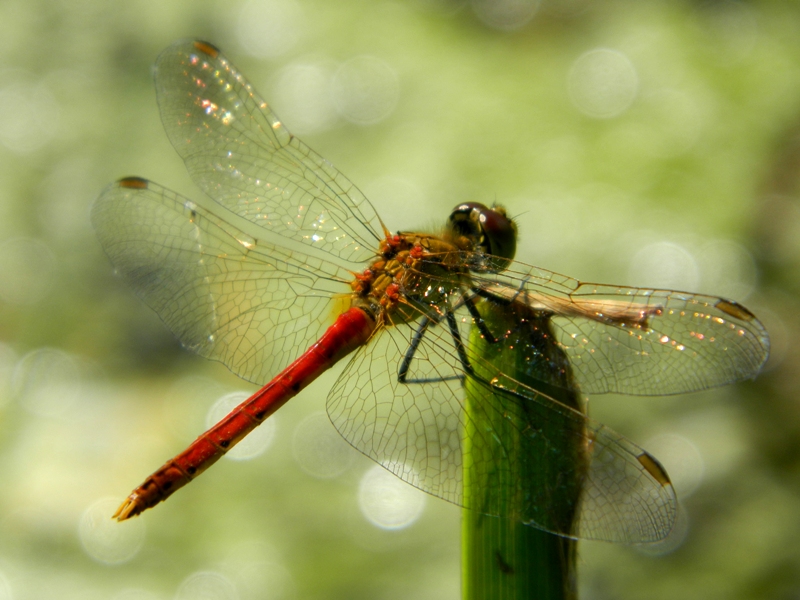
x: 302, y: 96
x: 365, y: 90
x: 602, y: 83
x: 256, y: 442
x: 106, y: 540
x: 505, y: 15
x: 29, y: 115
x: 387, y: 501
x: 319, y: 449
x: 728, y: 269
x: 47, y: 382
x: 682, y: 460
x: 269, y: 28
x: 664, y: 265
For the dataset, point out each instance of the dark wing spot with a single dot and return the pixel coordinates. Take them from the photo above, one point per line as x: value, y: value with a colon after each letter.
x: 735, y: 310
x: 207, y: 48
x: 133, y: 183
x: 652, y: 466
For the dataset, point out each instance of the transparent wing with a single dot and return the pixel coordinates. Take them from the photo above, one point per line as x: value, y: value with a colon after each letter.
x: 637, y: 341
x: 224, y: 293
x: 423, y: 433
x: 412, y: 430
x: 238, y: 152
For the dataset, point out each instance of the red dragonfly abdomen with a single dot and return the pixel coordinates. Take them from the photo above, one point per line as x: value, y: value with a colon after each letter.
x: 351, y: 329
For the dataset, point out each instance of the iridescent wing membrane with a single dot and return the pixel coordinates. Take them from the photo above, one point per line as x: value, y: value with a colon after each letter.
x: 640, y: 341
x: 616, y: 339
x: 240, y: 154
x: 416, y: 431
x: 253, y: 277
x: 224, y: 293
x: 226, y: 277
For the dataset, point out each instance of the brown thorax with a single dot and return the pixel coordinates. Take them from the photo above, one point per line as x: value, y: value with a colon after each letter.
x: 413, y: 271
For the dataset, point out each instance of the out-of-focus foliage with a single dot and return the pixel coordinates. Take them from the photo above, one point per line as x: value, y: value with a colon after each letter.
x: 644, y: 143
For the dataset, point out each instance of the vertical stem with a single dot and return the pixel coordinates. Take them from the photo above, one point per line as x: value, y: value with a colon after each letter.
x: 502, y: 558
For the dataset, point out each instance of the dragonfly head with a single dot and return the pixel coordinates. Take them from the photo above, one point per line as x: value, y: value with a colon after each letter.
x: 487, y: 231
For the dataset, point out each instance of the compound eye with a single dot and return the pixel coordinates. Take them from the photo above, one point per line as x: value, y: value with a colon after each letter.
x: 465, y: 222
x: 489, y: 231
x: 500, y: 233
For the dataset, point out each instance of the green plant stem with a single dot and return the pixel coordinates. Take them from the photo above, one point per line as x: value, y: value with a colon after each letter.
x: 528, y: 479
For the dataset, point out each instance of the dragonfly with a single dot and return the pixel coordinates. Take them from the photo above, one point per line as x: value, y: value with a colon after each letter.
x: 284, y: 268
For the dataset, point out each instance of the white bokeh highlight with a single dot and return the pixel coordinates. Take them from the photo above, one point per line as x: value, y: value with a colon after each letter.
x: 319, y: 449
x: 106, y: 540
x: 47, y: 382
x: 727, y: 269
x: 505, y: 15
x: 302, y: 96
x: 664, y: 265
x: 29, y: 114
x: 256, y: 442
x: 269, y: 28
x: 365, y: 90
x: 682, y: 460
x: 388, y: 502
x: 602, y: 83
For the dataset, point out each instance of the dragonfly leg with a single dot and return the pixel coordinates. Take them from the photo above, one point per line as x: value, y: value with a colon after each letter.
x: 405, y: 365
x: 480, y: 323
x: 402, y: 373
x: 459, y: 344
x: 471, y: 305
x: 478, y: 319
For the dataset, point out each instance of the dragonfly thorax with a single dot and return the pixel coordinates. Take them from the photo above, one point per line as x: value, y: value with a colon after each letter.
x: 413, y: 274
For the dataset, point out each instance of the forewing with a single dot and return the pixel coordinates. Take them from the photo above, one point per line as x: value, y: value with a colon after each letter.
x: 639, y: 341
x: 238, y: 152
x: 224, y: 293
x: 422, y: 433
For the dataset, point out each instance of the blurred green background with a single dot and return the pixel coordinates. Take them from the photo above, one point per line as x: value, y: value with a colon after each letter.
x: 642, y: 143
